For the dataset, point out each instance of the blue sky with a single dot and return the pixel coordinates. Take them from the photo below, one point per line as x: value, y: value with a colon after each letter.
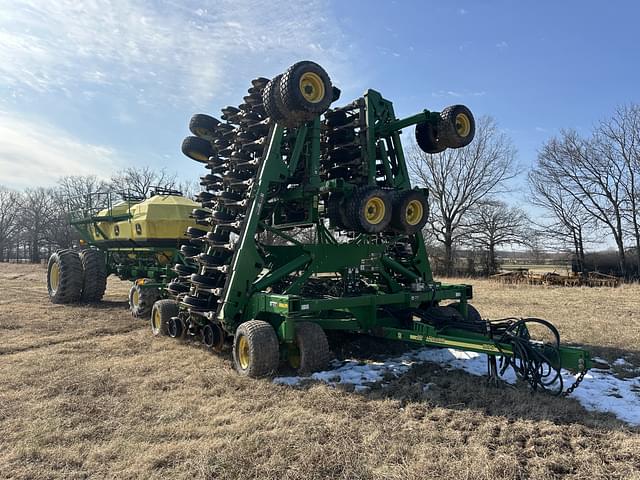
x: 92, y: 87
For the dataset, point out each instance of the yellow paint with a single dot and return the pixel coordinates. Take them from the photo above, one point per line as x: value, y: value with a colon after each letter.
x: 414, y: 212
x: 374, y: 210
x: 157, y: 321
x: 135, y: 297
x: 283, y: 305
x: 244, y: 357
x: 312, y: 87
x: 463, y: 125
x: 160, y: 217
x: 54, y: 277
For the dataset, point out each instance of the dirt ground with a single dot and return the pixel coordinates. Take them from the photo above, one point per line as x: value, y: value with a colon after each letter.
x: 86, y: 392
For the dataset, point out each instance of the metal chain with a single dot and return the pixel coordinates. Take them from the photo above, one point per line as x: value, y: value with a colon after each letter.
x: 575, y: 385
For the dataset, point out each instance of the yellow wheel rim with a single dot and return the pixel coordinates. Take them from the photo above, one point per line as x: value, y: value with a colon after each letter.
x: 312, y: 87
x: 135, y: 297
x: 463, y: 125
x: 54, y: 276
x: 414, y: 212
x: 374, y: 210
x: 156, y: 321
x: 243, y: 352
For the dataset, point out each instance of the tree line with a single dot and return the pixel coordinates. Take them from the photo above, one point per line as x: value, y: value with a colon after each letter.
x: 34, y: 222
x: 586, y: 185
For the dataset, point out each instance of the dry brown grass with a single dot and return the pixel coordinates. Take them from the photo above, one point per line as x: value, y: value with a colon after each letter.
x: 85, y: 392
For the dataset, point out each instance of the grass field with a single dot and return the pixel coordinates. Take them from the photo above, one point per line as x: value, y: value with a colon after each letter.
x: 86, y: 392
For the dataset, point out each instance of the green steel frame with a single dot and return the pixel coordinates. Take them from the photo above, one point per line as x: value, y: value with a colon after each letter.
x: 399, y: 284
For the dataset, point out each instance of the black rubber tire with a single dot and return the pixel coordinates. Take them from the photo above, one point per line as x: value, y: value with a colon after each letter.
x: 175, y: 328
x: 448, y: 132
x: 176, y: 288
x: 335, y: 211
x: 94, y: 275
x: 161, y: 313
x: 184, y: 270
x: 146, y: 297
x: 213, y: 336
x: 292, y: 96
x: 402, y: 201
x: 200, y: 304
x: 313, y: 347
x: 204, y: 126
x: 212, y: 281
x: 197, y: 149
x: 262, y: 349
x: 472, y: 312
x: 269, y: 99
x: 355, y: 210
x: 69, y: 284
x: 196, y: 232
x: 427, y: 140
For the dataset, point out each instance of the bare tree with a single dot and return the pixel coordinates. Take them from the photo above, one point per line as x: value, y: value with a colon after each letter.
x: 37, y: 211
x: 491, y: 224
x: 140, y: 181
x: 618, y: 140
x: 9, y: 212
x: 580, y: 168
x: 570, y: 223
x: 458, y: 179
x: 78, y: 192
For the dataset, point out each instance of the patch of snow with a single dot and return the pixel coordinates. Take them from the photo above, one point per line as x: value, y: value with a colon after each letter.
x: 599, y: 391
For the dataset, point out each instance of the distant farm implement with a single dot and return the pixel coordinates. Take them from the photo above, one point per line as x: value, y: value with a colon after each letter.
x: 135, y: 238
x: 308, y: 224
x: 525, y: 277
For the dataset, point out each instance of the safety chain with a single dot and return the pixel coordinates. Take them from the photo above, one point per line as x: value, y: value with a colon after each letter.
x: 575, y: 385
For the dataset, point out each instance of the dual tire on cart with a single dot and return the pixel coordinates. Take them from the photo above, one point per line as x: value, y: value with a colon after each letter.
x: 256, y: 350
x: 455, y: 128
x: 374, y: 210
x: 76, y: 276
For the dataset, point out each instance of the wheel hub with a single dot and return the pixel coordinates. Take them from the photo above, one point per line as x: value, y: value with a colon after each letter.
x: 312, y: 87
x: 374, y: 210
x: 414, y: 212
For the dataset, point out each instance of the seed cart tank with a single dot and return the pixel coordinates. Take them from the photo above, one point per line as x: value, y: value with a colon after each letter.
x: 137, y: 239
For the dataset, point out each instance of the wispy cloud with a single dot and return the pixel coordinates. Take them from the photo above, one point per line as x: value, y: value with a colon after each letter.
x: 160, y: 51
x: 462, y: 11
x: 458, y: 93
x: 36, y: 153
x: 502, y: 45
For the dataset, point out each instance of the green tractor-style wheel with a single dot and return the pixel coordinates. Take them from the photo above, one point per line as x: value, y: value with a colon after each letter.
x: 368, y: 210
x: 197, y: 149
x: 427, y: 139
x: 64, y: 277
x: 141, y: 298
x: 94, y: 277
x: 306, y: 87
x: 457, y: 127
x: 311, y: 351
x: 410, y: 211
x: 256, y: 351
x: 204, y: 126
x: 161, y: 313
